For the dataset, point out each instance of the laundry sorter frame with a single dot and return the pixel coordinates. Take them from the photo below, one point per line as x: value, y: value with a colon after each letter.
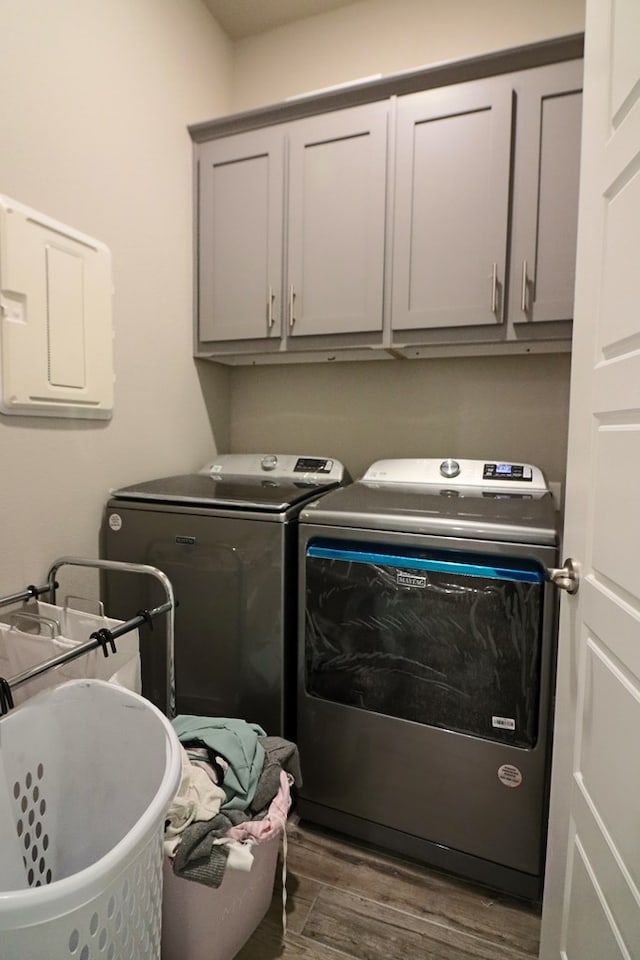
x: 105, y: 638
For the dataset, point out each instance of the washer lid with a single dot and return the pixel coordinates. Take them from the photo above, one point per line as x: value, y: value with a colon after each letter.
x: 274, y: 495
x: 439, y: 510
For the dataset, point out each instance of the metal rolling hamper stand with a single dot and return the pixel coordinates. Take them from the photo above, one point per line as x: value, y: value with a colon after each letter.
x: 87, y: 770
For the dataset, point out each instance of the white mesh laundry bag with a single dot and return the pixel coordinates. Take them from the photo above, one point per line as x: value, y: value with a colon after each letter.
x: 43, y: 631
x: 87, y: 772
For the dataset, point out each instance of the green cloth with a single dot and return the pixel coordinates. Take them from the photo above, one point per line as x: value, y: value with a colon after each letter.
x: 236, y: 741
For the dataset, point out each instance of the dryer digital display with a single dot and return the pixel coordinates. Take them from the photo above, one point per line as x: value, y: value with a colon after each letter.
x: 507, y: 471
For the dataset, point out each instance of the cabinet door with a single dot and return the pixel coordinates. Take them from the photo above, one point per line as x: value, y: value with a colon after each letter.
x: 451, y: 205
x: 545, y: 210
x: 337, y: 170
x: 240, y: 236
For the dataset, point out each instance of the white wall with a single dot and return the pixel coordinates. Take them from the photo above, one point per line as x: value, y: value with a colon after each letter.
x: 388, y: 36
x: 503, y: 408
x: 97, y: 95
x: 507, y: 407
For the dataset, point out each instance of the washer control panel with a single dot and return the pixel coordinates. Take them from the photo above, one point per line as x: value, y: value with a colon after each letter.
x: 292, y: 467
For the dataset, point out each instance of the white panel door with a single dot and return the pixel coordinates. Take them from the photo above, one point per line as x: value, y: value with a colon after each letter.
x: 592, y: 890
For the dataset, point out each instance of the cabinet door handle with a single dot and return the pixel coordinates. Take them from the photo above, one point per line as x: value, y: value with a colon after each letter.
x: 523, y: 297
x: 272, y: 297
x: 494, y: 288
x: 292, y: 297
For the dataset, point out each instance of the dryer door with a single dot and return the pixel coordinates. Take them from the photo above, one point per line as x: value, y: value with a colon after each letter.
x: 442, y: 638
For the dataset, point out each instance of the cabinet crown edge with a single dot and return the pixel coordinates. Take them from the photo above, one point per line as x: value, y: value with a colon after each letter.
x: 509, y: 60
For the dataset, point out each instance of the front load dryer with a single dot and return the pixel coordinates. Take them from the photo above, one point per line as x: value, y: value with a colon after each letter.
x: 226, y: 538
x: 427, y: 638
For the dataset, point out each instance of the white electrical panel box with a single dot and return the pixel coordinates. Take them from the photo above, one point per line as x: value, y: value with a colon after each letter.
x: 56, y: 334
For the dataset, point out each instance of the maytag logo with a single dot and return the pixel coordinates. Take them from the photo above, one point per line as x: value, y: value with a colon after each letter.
x: 185, y: 539
x: 404, y: 579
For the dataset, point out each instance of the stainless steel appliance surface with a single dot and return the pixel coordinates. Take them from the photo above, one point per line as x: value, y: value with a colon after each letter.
x: 226, y: 537
x: 427, y: 635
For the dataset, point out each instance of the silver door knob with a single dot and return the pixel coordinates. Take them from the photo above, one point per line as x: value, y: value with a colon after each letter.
x: 566, y: 577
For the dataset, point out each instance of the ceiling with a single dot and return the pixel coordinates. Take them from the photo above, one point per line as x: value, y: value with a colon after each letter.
x: 242, y: 18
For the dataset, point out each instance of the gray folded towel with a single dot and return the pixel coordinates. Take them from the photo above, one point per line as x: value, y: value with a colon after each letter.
x: 197, y: 856
x: 279, y: 755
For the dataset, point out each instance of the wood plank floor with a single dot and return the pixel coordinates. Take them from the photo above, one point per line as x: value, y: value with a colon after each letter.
x: 349, y: 901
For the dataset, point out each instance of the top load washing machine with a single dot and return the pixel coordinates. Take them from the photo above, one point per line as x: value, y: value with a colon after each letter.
x: 226, y: 538
x: 427, y: 636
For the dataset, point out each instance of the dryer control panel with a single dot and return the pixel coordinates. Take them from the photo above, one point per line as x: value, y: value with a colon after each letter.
x: 508, y: 471
x: 473, y: 474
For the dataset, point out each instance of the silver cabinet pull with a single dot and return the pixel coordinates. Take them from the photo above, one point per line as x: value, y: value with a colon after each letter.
x: 523, y: 297
x: 566, y: 577
x: 494, y: 288
x: 292, y: 297
x: 272, y: 297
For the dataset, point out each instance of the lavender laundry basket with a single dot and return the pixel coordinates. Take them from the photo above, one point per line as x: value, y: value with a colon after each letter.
x: 203, y: 923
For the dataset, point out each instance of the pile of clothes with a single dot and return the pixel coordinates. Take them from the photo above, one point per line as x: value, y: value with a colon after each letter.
x: 235, y: 792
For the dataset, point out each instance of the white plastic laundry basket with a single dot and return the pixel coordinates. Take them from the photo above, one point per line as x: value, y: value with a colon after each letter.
x: 87, y: 771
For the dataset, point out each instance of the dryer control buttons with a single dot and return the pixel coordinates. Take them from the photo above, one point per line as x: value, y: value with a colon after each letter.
x: 449, y: 468
x: 270, y: 462
x: 506, y: 471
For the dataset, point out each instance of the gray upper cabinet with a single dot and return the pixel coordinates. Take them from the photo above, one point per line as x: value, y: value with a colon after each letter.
x: 485, y: 212
x: 419, y: 215
x: 451, y: 207
x: 545, y: 211
x: 336, y: 222
x: 240, y: 237
x: 284, y: 256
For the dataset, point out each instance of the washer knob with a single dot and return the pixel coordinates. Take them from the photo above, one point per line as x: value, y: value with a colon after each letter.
x: 270, y: 462
x: 449, y: 468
